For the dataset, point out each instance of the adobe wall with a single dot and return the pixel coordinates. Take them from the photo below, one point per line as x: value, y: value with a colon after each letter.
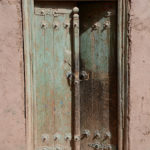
x: 139, y: 133
x: 12, y: 120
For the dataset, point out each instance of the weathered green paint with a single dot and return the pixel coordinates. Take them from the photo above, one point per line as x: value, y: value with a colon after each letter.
x: 98, y: 57
x: 52, y: 63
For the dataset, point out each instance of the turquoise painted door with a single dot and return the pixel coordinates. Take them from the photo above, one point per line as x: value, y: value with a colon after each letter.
x: 69, y: 113
x: 52, y: 63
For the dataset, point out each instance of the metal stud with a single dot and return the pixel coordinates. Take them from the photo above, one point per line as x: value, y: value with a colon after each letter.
x: 109, y: 147
x: 68, y: 137
x: 45, y: 137
x: 66, y: 25
x: 42, y: 12
x: 55, y: 14
x: 77, y: 138
x: 76, y: 25
x: 107, y: 24
x: 109, y: 13
x: 55, y: 26
x: 56, y: 136
x: 95, y: 146
x: 44, y: 148
x: 76, y: 82
x: 108, y: 135
x: 44, y: 25
x: 95, y: 26
x: 58, y: 148
x: 86, y: 133
x: 97, y: 134
x: 69, y: 75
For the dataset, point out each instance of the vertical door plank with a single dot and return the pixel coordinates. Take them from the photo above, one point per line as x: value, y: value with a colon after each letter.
x: 49, y: 79
x: 62, y: 89
x: 39, y: 78
x: 44, y: 109
x: 52, y: 87
x: 44, y: 83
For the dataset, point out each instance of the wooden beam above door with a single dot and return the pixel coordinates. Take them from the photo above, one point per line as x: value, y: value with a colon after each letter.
x: 77, y: 0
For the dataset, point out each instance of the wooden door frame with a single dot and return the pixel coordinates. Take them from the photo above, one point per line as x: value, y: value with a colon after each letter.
x: 123, y: 70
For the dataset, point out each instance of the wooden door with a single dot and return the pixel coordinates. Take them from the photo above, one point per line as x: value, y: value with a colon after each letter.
x: 53, y: 68
x: 98, y: 60
x: 52, y: 65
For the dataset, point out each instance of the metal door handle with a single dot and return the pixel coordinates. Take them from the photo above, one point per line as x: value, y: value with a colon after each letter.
x: 84, y: 75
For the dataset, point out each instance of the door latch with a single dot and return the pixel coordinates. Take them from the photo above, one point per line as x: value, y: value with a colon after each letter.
x: 84, y: 75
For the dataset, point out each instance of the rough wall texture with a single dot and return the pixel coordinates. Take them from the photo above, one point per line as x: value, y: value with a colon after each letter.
x: 12, y: 122
x: 140, y: 76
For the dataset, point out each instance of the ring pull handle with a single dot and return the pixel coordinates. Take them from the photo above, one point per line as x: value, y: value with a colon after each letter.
x: 84, y: 75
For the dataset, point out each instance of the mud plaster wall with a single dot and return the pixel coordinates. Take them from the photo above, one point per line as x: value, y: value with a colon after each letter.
x: 12, y: 120
x: 139, y: 127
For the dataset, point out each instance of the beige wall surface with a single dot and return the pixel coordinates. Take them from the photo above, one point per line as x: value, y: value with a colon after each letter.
x: 12, y: 119
x: 139, y: 133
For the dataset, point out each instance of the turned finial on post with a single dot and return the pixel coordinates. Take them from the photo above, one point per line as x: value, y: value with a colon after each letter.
x: 75, y: 10
x: 76, y: 16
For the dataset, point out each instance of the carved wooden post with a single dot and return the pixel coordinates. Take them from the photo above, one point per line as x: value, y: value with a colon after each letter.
x: 76, y: 79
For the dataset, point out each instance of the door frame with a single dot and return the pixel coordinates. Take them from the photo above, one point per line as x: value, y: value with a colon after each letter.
x: 122, y: 61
